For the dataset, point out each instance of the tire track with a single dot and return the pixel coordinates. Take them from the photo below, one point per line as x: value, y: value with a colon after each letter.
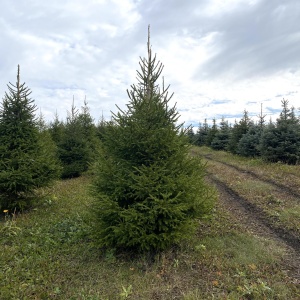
x: 282, y: 187
x: 287, y: 236
x: 256, y: 220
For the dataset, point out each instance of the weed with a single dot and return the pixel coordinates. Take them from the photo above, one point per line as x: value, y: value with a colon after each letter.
x: 9, y: 228
x: 126, y: 292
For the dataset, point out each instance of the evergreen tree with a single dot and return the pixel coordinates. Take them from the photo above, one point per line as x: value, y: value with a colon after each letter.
x: 26, y: 162
x: 237, y: 132
x: 79, y: 144
x: 191, y: 135
x: 148, y: 190
x: 221, y: 138
x: 281, y: 142
x: 202, y: 133
x: 100, y: 128
x: 56, y: 130
x: 212, y: 131
x: 89, y: 132
x: 248, y: 145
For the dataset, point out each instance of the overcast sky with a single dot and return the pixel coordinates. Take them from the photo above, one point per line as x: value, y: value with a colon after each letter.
x: 220, y: 57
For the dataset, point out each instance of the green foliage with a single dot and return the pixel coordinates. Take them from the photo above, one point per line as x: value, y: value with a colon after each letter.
x: 281, y: 142
x: 148, y: 191
x: 56, y: 129
x: 237, y: 132
x: 26, y: 157
x: 248, y: 145
x: 78, y: 144
x: 212, y: 131
x: 221, y: 138
x: 191, y: 135
x: 202, y: 133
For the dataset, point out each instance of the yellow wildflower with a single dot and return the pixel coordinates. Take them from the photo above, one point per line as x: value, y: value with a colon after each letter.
x: 5, y: 211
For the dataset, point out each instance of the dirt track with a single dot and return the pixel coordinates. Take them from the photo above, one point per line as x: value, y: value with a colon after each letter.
x: 254, y: 218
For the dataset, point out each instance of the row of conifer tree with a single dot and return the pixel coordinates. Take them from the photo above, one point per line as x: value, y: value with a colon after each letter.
x: 277, y: 141
x: 148, y: 192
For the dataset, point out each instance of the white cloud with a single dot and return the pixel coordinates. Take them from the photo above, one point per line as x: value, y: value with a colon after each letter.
x: 220, y: 57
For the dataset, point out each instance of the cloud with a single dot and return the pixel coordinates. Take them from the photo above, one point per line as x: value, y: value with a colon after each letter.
x: 255, y: 40
x: 220, y: 57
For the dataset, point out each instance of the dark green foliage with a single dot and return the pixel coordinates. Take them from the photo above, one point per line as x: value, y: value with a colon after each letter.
x: 221, y: 138
x: 212, y: 131
x: 26, y: 161
x: 56, y: 130
x: 201, y: 134
x: 191, y: 135
x: 248, y: 145
x: 237, y: 132
x: 78, y: 146
x: 101, y: 128
x: 148, y: 190
x: 281, y: 142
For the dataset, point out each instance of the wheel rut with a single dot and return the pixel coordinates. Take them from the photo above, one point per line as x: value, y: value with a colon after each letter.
x: 282, y: 187
x: 257, y: 222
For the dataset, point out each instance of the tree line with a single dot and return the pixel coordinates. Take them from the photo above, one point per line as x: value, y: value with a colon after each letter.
x: 277, y: 141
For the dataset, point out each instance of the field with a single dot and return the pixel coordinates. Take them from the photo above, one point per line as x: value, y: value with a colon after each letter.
x: 248, y: 249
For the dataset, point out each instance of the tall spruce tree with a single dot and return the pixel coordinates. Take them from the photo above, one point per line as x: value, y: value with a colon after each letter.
x: 148, y: 190
x: 25, y: 161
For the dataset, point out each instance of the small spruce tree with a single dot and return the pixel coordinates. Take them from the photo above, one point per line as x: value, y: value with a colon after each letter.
x: 26, y: 162
x: 202, y: 133
x: 248, y: 144
x: 237, y: 132
x: 221, y: 138
x: 190, y: 134
x: 78, y: 146
x: 148, y: 190
x: 211, y: 133
x: 281, y: 141
x: 56, y: 129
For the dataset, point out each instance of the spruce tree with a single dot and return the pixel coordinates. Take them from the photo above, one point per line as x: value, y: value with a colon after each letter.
x: 237, y: 132
x: 25, y: 162
x: 212, y: 131
x: 191, y: 135
x: 221, y: 138
x: 281, y: 141
x: 78, y: 146
x: 248, y: 144
x: 202, y: 133
x: 56, y: 129
x: 148, y: 190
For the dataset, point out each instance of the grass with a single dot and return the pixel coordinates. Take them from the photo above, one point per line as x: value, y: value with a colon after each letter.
x: 48, y: 253
x: 276, y: 171
x: 281, y: 207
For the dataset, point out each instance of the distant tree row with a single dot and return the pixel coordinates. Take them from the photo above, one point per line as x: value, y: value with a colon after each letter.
x: 274, y: 142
